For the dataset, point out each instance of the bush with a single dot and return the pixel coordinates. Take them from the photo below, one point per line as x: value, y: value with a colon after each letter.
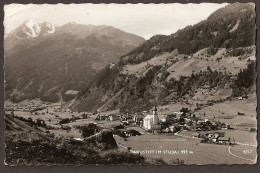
x: 116, y: 157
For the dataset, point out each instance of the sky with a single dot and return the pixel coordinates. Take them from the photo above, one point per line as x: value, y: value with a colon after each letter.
x: 145, y: 20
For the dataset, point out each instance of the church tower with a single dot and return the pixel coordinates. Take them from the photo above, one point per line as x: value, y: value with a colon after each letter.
x: 155, y: 116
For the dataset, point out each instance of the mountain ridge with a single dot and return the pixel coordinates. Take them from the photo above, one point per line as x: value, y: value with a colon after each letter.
x: 51, y: 64
x: 159, y: 71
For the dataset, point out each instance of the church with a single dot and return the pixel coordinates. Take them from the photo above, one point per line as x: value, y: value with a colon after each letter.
x: 151, y: 120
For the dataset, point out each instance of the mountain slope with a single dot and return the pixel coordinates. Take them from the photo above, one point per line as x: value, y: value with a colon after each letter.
x: 42, y: 62
x: 208, y: 57
x: 225, y: 28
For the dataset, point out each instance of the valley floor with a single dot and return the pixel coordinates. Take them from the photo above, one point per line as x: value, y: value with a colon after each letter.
x: 169, y: 146
x: 188, y: 149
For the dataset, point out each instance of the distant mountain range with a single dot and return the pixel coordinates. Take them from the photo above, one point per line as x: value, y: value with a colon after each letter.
x: 44, y: 61
x: 213, y: 57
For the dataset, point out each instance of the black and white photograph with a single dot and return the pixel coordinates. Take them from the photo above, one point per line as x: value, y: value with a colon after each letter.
x: 130, y: 84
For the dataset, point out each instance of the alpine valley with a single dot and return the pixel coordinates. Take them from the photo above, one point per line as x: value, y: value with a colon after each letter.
x: 83, y: 94
x: 101, y: 68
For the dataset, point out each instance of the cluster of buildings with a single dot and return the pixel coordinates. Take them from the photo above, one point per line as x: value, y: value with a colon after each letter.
x: 174, y: 122
x: 215, y: 138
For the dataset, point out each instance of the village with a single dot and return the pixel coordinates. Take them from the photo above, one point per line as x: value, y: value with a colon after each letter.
x: 52, y: 118
x: 172, y: 124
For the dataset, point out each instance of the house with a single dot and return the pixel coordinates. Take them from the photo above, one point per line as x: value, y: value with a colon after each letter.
x: 128, y: 122
x: 171, y: 118
x: 145, y: 112
x: 195, y: 135
x: 225, y: 126
x: 184, y: 127
x: 216, y: 137
x: 163, y: 118
x: 40, y: 122
x: 132, y: 133
x: 223, y: 141
x: 171, y: 128
x: 211, y: 135
x: 113, y: 117
x: 102, y: 117
x: 240, y: 98
x: 200, y: 122
x: 84, y: 116
x: 178, y: 114
x: 219, y: 134
x: 138, y: 120
x: 150, y: 120
x: 187, y: 120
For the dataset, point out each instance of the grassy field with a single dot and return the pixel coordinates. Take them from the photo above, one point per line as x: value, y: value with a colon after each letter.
x: 231, y: 109
x: 54, y: 121
x: 200, y: 62
x: 171, y: 148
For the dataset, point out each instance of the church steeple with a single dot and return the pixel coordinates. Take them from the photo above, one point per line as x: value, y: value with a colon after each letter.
x: 155, y: 117
x: 155, y: 110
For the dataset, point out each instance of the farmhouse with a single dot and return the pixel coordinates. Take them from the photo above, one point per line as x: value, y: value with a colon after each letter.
x: 177, y: 114
x: 138, y: 120
x: 102, y: 117
x: 84, y: 116
x: 113, y: 117
x: 171, y: 128
x: 163, y: 118
x: 40, y: 122
x: 150, y: 120
x: 129, y: 133
x: 225, y: 126
x: 223, y: 141
x: 128, y: 121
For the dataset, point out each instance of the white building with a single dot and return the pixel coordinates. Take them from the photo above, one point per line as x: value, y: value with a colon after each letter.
x: 150, y: 120
x: 178, y: 114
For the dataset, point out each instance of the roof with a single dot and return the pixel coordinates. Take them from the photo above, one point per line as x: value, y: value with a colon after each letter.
x: 113, y: 115
x: 223, y: 139
x: 40, y: 119
x: 147, y: 117
x: 103, y: 115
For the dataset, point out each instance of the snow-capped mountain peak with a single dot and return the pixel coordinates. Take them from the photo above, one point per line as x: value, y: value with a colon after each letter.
x: 31, y: 29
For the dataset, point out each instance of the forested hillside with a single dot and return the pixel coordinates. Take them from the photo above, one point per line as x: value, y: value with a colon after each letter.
x: 214, y: 56
x: 230, y: 27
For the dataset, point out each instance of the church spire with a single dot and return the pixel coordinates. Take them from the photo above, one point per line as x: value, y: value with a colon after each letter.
x: 155, y: 110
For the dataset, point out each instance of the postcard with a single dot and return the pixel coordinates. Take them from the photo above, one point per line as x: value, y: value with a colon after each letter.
x: 130, y: 84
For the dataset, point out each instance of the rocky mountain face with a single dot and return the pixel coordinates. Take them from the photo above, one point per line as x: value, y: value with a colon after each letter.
x: 54, y: 63
x: 212, y: 57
